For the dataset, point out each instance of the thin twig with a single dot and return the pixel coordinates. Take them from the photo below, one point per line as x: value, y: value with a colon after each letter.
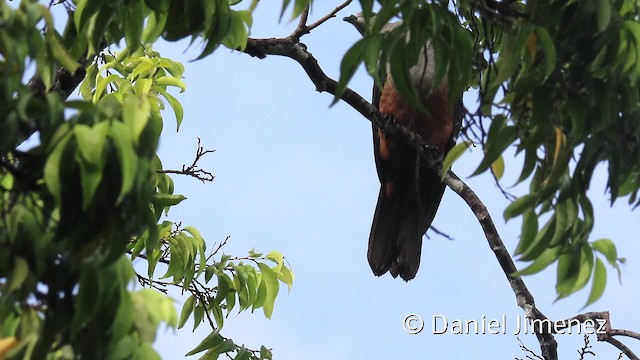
x: 193, y: 170
x: 303, y: 28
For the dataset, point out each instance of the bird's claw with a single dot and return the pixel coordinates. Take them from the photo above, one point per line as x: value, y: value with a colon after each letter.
x: 389, y: 122
x: 437, y: 156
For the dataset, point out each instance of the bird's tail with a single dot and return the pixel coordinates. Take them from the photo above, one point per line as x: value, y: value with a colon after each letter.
x: 395, y: 240
x: 399, y: 222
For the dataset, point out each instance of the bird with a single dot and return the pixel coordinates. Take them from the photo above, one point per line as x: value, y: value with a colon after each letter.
x: 410, y: 190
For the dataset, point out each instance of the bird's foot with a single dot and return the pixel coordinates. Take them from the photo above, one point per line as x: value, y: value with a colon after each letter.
x: 389, y: 123
x: 436, y: 156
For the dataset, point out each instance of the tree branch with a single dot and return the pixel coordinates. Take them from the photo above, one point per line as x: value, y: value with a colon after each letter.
x: 292, y: 48
x: 193, y: 170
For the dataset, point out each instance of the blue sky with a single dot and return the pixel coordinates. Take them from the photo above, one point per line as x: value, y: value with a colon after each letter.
x: 298, y: 176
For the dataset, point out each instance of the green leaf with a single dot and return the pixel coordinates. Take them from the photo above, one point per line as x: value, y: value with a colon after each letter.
x: 519, y: 206
x: 135, y: 113
x: 218, y: 316
x: 599, y: 283
x: 265, y: 353
x: 549, y: 50
x: 607, y: 248
x: 18, y: 274
x: 121, y: 136
x: 52, y: 167
x: 163, y: 200
x: 225, y: 285
x: 277, y: 258
x: 187, y: 310
x: 224, y: 347
x: 574, y: 270
x: 508, y: 63
x: 497, y: 168
x: 238, y: 31
x: 349, y: 64
x: 400, y: 74
x: 171, y: 81
x: 603, y: 15
x: 198, y: 316
x: 286, y: 276
x: 59, y: 53
x: 201, y: 247
x: 91, y: 141
x: 212, y: 341
x: 270, y: 280
x: 540, y: 243
x: 545, y: 259
x: 242, y: 354
x: 175, y: 105
x: 500, y: 136
x: 134, y: 24
x: 528, y: 232
x: 89, y: 82
x: 454, y: 154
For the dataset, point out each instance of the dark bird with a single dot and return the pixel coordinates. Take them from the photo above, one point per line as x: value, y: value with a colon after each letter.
x: 410, y: 191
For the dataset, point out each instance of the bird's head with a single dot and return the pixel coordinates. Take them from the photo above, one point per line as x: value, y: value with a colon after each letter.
x: 358, y: 21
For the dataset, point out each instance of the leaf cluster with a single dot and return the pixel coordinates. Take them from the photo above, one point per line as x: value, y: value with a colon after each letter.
x: 88, y: 186
x: 560, y: 84
x: 557, y: 81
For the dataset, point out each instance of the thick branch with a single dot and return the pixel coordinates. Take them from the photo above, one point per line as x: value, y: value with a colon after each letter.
x: 524, y: 298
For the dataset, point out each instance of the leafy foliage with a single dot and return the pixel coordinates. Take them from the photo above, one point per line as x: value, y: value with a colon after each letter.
x: 557, y: 81
x: 561, y: 78
x: 89, y: 188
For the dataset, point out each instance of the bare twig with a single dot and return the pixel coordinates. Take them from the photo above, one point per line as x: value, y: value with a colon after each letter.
x: 303, y: 28
x: 193, y: 170
x: 532, y: 355
x: 215, y: 251
x: 443, y: 234
x: 586, y: 348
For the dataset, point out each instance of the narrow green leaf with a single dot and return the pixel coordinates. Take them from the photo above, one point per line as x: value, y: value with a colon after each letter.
x: 198, y: 316
x: 18, y: 274
x: 286, y: 276
x: 270, y: 280
x: 454, y: 154
x: 171, y: 81
x: 607, y: 248
x: 91, y: 141
x: 121, y: 136
x: 549, y: 50
x: 500, y: 136
x: 545, y: 259
x: 348, y: 66
x: 603, y: 14
x: 218, y: 316
x: 134, y: 24
x: 519, y: 206
x: 265, y: 354
x: 212, y: 341
x: 135, y: 113
x: 497, y: 168
x: 52, y: 167
x: 528, y: 232
x: 187, y: 310
x: 541, y: 241
x: 164, y: 200
x: 175, y: 105
x: 599, y: 283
